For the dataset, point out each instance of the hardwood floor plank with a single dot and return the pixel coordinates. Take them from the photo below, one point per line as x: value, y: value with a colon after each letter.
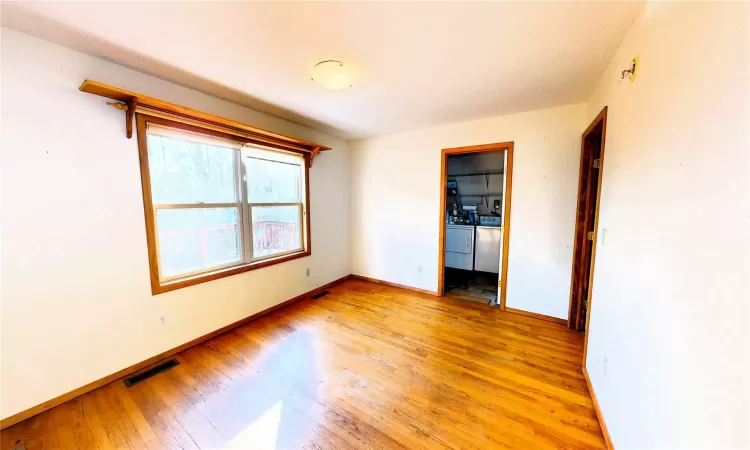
x: 118, y: 418
x: 140, y: 424
x: 201, y: 431
x: 160, y: 418
x: 368, y: 366
x: 104, y: 433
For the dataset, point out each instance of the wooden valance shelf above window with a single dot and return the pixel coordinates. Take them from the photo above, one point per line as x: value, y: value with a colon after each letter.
x: 133, y: 102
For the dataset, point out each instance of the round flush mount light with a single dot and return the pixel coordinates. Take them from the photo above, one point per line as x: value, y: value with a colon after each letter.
x: 333, y: 74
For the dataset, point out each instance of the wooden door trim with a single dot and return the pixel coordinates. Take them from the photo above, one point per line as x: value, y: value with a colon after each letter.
x: 506, y: 196
x: 600, y: 118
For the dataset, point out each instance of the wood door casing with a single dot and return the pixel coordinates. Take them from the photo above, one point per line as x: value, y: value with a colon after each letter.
x: 593, y: 144
x: 507, y: 147
x: 580, y: 236
x: 589, y: 186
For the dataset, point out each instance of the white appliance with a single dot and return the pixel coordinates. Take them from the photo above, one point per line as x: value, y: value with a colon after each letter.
x: 459, y: 246
x: 488, y: 240
x: 490, y: 221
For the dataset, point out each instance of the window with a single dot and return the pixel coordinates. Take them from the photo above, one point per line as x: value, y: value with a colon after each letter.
x: 217, y: 205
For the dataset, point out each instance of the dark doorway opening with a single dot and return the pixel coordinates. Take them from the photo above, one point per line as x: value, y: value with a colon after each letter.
x: 587, y: 217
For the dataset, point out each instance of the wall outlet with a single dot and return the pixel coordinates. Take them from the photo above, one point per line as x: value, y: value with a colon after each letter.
x: 604, y: 366
x: 604, y: 236
x: 307, y: 272
x: 419, y: 268
x: 163, y: 320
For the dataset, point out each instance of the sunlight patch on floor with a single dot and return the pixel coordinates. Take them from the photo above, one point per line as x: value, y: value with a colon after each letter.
x: 261, y: 434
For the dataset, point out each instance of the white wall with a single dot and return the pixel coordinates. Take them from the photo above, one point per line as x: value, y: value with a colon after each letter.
x: 396, y: 196
x: 76, y: 301
x: 670, y: 293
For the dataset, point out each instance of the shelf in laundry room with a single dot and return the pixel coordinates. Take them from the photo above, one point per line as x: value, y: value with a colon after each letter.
x: 491, y: 172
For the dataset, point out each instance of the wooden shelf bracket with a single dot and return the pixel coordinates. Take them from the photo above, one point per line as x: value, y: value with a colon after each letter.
x: 129, y: 108
x: 313, y: 154
x: 129, y: 114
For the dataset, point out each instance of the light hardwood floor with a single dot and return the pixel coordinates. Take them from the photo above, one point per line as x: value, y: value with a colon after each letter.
x: 367, y: 366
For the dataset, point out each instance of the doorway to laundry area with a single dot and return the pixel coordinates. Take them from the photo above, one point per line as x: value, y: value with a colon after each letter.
x: 475, y: 222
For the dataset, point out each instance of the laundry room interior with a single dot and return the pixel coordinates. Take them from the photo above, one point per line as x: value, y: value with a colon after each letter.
x: 475, y: 187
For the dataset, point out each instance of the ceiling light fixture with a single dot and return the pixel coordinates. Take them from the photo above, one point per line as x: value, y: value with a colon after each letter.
x: 333, y: 74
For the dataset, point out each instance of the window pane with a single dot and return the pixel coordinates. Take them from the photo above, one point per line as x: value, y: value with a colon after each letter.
x: 272, y: 181
x: 186, y: 171
x: 196, y: 239
x: 276, y: 229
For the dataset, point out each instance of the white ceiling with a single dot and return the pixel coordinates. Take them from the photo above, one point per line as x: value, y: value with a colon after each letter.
x: 424, y: 63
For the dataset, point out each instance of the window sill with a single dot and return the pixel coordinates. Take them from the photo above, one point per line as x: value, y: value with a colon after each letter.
x: 160, y: 288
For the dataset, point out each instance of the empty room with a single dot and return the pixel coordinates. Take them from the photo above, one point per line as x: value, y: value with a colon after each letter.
x: 375, y: 225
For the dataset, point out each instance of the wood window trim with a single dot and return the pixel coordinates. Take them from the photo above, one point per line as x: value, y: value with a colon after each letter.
x: 158, y: 287
x: 134, y: 102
